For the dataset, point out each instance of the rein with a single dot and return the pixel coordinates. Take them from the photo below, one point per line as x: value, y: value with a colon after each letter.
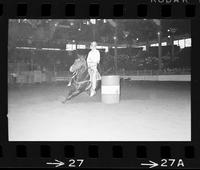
x: 80, y: 82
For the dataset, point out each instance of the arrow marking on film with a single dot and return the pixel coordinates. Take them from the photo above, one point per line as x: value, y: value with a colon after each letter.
x: 151, y: 164
x: 57, y: 163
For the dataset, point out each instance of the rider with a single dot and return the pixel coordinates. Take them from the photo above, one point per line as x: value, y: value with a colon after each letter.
x: 92, y: 60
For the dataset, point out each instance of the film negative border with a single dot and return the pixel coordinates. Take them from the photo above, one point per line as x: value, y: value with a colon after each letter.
x: 102, y: 9
x: 100, y: 154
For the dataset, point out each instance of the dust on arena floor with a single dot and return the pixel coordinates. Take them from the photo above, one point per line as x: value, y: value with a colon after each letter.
x: 148, y: 111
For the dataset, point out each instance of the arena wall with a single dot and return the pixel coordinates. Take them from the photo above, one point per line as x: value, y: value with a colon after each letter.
x: 159, y: 77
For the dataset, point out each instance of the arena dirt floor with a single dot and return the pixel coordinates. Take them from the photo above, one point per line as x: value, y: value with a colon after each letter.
x: 148, y: 111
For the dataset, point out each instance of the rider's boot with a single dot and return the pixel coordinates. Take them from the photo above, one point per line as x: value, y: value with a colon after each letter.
x: 93, y: 92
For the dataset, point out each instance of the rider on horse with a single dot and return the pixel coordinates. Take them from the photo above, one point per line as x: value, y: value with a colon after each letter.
x: 85, y: 74
x: 92, y: 60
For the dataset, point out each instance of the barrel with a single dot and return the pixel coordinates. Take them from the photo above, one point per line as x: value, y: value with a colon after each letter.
x: 110, y: 89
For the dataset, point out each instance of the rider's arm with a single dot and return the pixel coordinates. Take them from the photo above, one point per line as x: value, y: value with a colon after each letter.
x: 97, y: 58
x: 89, y: 58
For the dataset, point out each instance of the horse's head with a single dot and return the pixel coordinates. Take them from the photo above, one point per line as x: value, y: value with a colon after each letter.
x: 79, y: 63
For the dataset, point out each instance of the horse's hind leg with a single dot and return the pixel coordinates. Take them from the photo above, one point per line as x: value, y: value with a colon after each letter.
x: 75, y: 93
x: 88, y: 86
x: 71, y: 90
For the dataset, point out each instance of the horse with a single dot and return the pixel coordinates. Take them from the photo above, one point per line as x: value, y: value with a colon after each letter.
x: 80, y: 81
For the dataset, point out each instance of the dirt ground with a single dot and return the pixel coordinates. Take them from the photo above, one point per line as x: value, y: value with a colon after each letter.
x: 148, y: 111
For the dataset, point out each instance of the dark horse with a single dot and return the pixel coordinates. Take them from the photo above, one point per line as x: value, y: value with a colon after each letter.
x: 81, y: 79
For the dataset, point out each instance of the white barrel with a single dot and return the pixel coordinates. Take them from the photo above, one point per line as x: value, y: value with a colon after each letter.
x: 110, y: 89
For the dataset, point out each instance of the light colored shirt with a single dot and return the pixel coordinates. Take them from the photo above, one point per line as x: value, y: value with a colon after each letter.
x: 93, y: 58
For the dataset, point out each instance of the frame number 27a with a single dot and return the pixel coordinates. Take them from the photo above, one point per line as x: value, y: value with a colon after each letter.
x: 172, y: 163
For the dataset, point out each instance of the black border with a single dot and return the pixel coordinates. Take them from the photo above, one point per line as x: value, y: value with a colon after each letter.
x: 129, y: 159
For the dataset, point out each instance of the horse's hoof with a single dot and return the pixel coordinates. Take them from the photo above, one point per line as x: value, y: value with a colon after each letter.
x: 88, y: 93
x: 63, y: 102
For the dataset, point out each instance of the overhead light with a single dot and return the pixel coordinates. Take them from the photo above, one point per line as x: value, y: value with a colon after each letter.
x: 114, y: 37
x: 79, y: 29
x: 27, y: 48
x: 93, y: 21
x: 54, y: 49
x: 168, y: 30
x: 173, y: 30
x: 71, y: 23
x: 168, y: 36
x: 137, y: 39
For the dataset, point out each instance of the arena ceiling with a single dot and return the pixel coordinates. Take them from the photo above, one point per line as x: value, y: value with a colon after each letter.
x: 62, y: 31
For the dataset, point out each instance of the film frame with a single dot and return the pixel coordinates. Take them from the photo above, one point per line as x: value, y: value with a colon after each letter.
x: 99, y: 154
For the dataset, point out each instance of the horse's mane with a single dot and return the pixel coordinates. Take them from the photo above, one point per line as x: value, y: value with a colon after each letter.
x: 84, y: 63
x: 83, y: 69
